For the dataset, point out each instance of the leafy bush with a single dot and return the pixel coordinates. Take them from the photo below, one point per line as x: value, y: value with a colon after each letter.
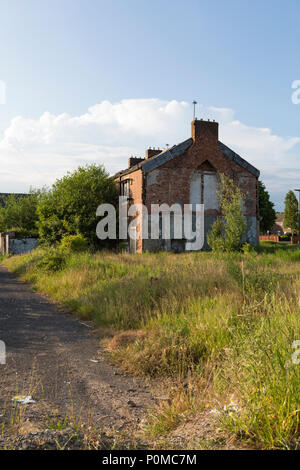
x: 23, y: 233
x: 19, y: 213
x: 230, y: 227
x: 215, y: 237
x: 247, y: 248
x: 69, y: 207
x: 285, y: 238
x: 74, y: 243
x: 267, y: 213
x: 290, y: 219
x: 53, y: 261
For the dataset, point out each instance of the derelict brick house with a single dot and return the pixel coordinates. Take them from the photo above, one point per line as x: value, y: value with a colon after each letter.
x: 187, y: 173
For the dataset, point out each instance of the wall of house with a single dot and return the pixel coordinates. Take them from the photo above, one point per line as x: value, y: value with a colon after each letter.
x: 136, y: 197
x: 177, y: 181
x: 191, y: 178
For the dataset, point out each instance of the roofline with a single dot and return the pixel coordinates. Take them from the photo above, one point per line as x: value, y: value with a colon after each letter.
x: 177, y: 150
x: 239, y: 160
x: 154, y: 162
x: 166, y: 155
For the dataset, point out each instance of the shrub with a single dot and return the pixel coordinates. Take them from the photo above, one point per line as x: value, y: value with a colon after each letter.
x: 285, y: 238
x: 228, y: 230
x: 267, y: 214
x: 290, y: 219
x: 69, y: 207
x: 19, y: 213
x: 74, y: 243
x: 215, y: 237
x: 23, y: 233
x: 53, y: 261
x: 247, y: 248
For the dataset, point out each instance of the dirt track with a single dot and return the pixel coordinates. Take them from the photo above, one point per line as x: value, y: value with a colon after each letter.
x: 49, y: 355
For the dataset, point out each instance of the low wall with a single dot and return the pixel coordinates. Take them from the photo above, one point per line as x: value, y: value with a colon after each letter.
x: 9, y: 245
x: 24, y: 245
x: 270, y: 238
x: 276, y: 238
x: 4, y: 242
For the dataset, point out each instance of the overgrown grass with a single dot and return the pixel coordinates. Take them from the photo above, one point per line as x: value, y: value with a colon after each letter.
x: 223, y: 325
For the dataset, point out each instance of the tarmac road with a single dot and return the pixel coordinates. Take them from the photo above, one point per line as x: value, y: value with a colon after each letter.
x: 48, y: 356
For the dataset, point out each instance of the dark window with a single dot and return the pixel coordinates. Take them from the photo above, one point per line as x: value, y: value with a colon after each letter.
x: 125, y: 188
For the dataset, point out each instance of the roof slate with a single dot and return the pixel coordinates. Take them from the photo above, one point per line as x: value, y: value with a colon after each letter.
x: 177, y: 150
x: 237, y: 159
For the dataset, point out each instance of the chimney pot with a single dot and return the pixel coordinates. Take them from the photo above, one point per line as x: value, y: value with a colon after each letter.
x: 152, y: 152
x: 132, y: 161
x: 205, y: 129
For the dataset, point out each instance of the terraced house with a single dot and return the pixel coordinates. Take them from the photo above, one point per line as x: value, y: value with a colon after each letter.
x: 187, y: 173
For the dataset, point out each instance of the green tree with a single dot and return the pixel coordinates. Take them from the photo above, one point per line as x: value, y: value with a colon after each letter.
x: 290, y: 219
x: 20, y: 213
x: 69, y: 207
x: 267, y: 214
x: 228, y: 230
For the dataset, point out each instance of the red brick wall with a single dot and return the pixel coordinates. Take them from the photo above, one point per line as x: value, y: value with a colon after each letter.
x: 271, y: 238
x: 136, y: 195
x: 171, y: 181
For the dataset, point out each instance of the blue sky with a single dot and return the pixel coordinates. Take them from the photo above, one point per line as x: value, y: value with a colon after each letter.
x: 236, y: 57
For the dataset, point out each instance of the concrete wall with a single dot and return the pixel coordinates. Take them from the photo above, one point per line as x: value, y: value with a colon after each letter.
x: 4, y: 242
x: 25, y: 245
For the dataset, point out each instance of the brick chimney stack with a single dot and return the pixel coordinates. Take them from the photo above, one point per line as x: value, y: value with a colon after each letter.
x: 132, y: 161
x: 208, y: 130
x: 152, y: 153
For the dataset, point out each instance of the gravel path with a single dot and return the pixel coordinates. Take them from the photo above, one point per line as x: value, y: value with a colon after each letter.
x: 50, y: 355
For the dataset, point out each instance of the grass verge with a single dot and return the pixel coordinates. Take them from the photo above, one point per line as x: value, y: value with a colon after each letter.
x: 219, y: 328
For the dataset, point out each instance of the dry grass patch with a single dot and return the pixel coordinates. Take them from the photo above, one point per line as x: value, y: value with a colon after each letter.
x: 226, y: 322
x: 123, y: 339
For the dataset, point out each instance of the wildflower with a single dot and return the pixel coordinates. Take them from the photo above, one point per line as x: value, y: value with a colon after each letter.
x: 231, y: 408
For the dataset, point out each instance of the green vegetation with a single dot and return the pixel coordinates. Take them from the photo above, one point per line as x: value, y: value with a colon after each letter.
x: 266, y: 209
x: 20, y: 214
x: 220, y: 326
x: 69, y: 207
x: 74, y: 243
x: 228, y: 230
x: 290, y: 219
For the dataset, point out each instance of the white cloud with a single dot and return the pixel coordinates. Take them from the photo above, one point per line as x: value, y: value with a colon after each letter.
x: 34, y: 152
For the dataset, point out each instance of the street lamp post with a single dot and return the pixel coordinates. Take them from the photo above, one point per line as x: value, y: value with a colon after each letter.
x: 298, y: 191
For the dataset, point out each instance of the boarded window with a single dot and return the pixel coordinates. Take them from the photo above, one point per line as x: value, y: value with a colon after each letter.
x: 210, y: 198
x: 196, y: 189
x: 203, y: 189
